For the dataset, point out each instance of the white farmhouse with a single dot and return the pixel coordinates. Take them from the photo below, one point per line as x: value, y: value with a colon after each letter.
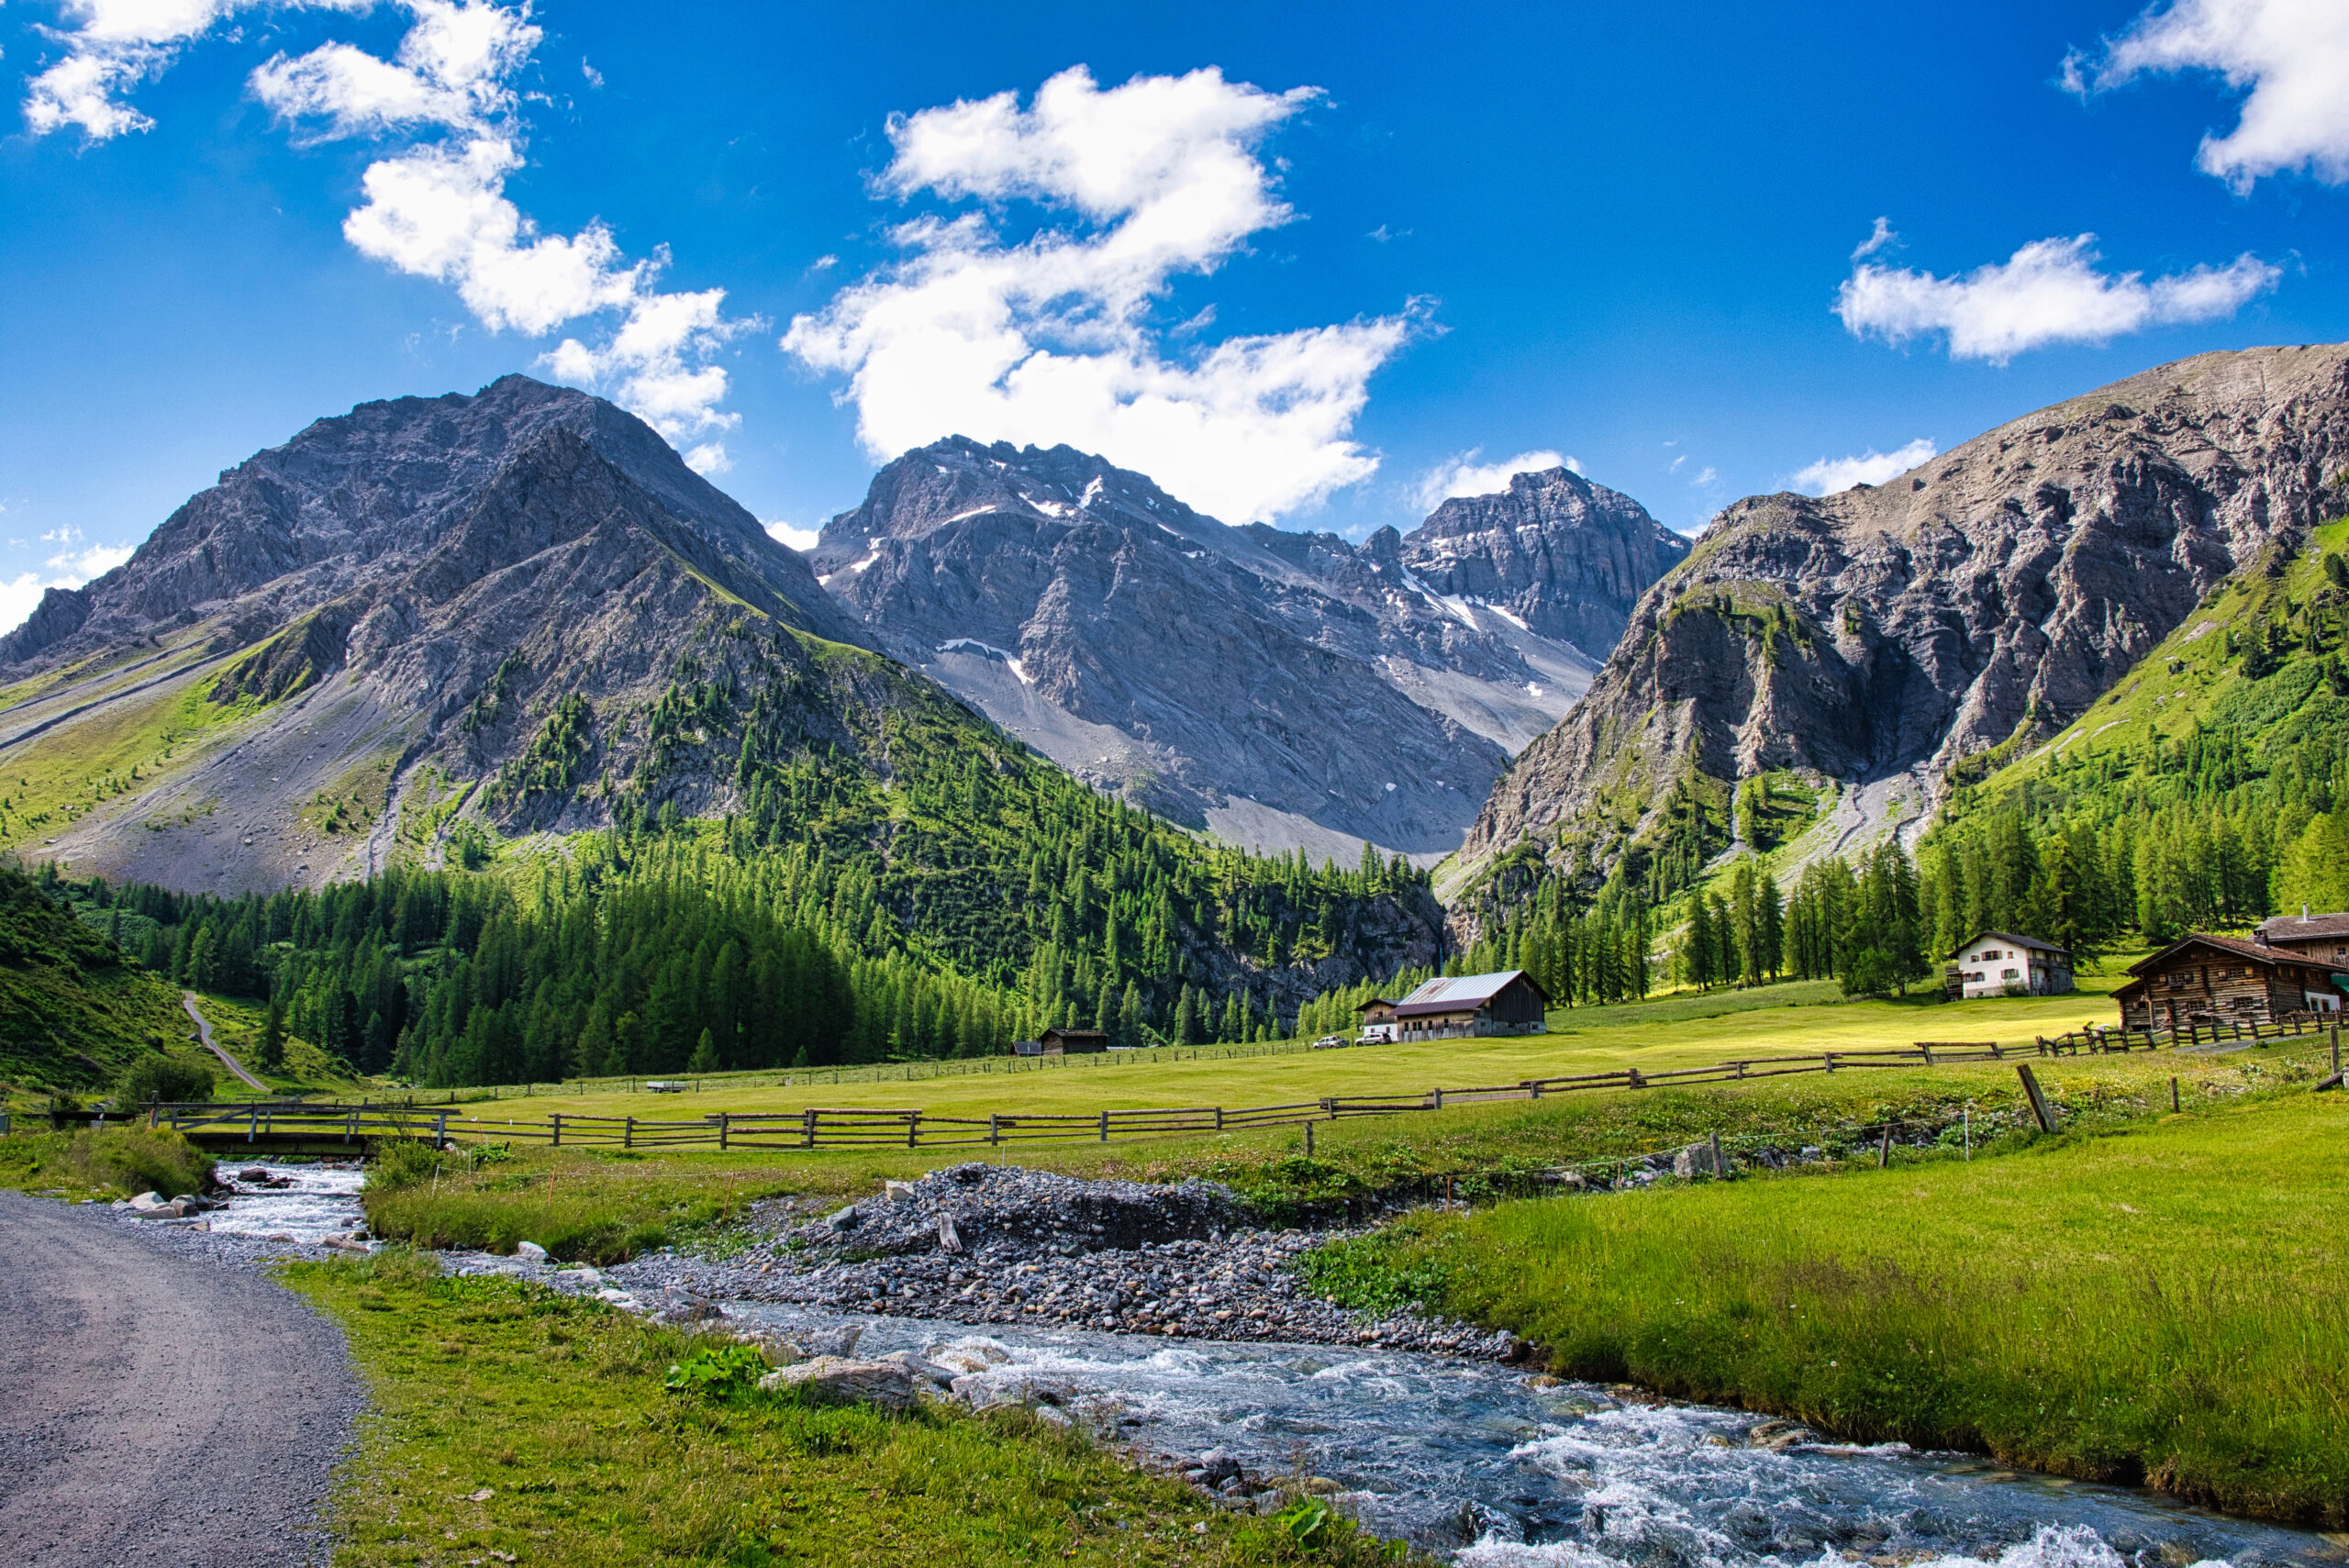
x: 2001, y: 963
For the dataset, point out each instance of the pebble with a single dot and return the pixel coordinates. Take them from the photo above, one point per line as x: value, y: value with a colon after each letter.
x: 1039, y: 1248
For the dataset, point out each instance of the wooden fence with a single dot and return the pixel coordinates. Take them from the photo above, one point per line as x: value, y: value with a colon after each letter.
x: 912, y: 1128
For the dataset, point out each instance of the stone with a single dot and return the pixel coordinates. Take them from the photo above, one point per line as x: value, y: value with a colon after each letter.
x: 843, y: 1220
x: 531, y: 1252
x: 927, y: 1371
x: 1220, y: 1465
x: 833, y: 1380
x: 894, y: 1190
x: 252, y: 1173
x: 148, y: 1200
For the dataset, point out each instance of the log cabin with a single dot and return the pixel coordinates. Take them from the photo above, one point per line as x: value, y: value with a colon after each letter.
x: 2203, y: 979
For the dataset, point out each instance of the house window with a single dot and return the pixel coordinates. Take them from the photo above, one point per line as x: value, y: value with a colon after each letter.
x: 2006, y: 974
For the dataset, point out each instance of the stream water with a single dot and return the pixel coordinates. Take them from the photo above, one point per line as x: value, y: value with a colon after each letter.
x: 1472, y: 1459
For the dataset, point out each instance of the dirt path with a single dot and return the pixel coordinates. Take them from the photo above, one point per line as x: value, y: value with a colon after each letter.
x: 203, y: 1033
x: 158, y: 1408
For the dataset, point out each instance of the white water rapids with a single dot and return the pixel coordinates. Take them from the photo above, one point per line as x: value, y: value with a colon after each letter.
x: 1471, y: 1459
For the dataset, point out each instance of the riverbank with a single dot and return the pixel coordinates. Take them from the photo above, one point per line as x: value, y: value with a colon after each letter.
x: 2161, y: 1302
x: 516, y: 1423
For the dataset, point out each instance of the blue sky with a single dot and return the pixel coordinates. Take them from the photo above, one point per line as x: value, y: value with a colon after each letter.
x: 1313, y: 263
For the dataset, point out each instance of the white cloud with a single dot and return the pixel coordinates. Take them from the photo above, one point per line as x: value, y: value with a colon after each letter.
x: 1464, y: 476
x: 1830, y: 475
x: 1876, y: 241
x: 2049, y: 292
x: 438, y: 207
x: 1707, y: 474
x: 1048, y: 339
x: 796, y: 538
x: 2292, y: 54
x: 20, y: 596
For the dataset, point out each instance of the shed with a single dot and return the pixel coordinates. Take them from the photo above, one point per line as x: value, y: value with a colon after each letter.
x: 1508, y: 1001
x: 1999, y: 964
x: 2203, y: 979
x: 1072, y: 1043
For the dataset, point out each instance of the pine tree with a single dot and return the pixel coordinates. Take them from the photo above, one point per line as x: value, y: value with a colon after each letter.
x: 271, y: 1055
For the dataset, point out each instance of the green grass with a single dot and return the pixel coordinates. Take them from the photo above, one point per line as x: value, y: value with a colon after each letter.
x: 119, y: 752
x: 102, y: 1162
x: 1790, y: 1019
x: 2163, y: 1301
x: 237, y: 1023
x: 508, y: 1419
x: 599, y: 1205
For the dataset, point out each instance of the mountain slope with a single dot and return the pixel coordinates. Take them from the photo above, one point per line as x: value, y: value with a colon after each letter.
x: 75, y: 1012
x: 470, y: 657
x: 1284, y: 688
x: 1879, y: 637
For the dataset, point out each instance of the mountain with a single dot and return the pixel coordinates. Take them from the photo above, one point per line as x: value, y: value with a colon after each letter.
x: 458, y: 633
x: 1285, y: 689
x: 1857, y: 653
x: 400, y: 607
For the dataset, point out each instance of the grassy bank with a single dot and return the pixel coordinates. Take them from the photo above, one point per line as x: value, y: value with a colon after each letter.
x: 103, y: 1162
x: 2163, y: 1301
x: 598, y: 1204
x: 513, y: 1424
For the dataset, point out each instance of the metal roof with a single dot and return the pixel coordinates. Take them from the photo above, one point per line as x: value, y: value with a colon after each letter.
x: 1461, y: 993
x: 2032, y: 942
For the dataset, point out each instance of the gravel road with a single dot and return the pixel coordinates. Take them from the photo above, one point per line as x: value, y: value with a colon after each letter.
x: 156, y: 1406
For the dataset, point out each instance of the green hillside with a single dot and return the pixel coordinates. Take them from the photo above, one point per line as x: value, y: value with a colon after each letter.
x: 2207, y: 788
x: 75, y: 1011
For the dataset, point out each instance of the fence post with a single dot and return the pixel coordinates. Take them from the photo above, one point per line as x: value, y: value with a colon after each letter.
x: 1308, y: 1140
x: 1439, y: 1099
x: 558, y: 1130
x: 913, y: 1122
x: 1105, y: 1127
x: 722, y: 1129
x: 1830, y: 1062
x: 2173, y: 1092
x: 1219, y: 1118
x: 1884, y: 1147
x: 2038, y: 1098
x: 439, y: 1129
x: 994, y: 1128
x: 627, y: 1134
x: 808, y: 1127
x: 1631, y: 1079
x: 1927, y: 1047
x: 254, y: 1131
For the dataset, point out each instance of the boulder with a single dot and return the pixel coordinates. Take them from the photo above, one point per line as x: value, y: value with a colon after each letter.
x: 834, y: 1380
x: 927, y: 1371
x: 845, y: 1219
x: 146, y: 1201
x: 252, y: 1173
x: 1219, y: 1465
x: 531, y: 1252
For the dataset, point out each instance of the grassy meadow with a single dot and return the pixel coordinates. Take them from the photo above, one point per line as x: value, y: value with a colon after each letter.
x: 511, y: 1423
x: 2159, y: 1301
x: 1790, y: 1019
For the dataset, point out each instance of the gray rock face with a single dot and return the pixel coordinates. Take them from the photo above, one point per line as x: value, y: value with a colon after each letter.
x: 1880, y: 636
x: 404, y: 597
x: 1286, y: 689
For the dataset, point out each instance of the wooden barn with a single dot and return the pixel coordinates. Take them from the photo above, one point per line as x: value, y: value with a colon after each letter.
x: 2223, y: 980
x: 1072, y: 1043
x: 1460, y: 1005
x: 2323, y: 939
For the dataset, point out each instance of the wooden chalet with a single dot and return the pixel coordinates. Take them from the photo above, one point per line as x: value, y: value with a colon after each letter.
x: 2202, y: 980
x: 1071, y: 1042
x: 1460, y: 1005
x: 2322, y: 938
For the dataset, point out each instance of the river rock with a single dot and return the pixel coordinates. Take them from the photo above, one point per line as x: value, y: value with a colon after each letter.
x: 531, y: 1252
x: 833, y: 1380
x: 147, y: 1202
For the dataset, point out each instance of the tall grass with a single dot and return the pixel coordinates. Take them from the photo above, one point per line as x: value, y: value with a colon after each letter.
x: 2166, y: 1305
x: 104, y: 1162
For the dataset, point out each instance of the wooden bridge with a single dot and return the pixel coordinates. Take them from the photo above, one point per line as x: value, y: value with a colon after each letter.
x: 289, y: 1126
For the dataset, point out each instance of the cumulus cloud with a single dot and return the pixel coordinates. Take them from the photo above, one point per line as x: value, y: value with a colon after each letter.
x: 20, y: 596
x: 437, y: 207
x: 1461, y: 474
x: 2293, y: 55
x: 783, y: 533
x: 1050, y: 340
x: 1830, y: 475
x: 2050, y: 290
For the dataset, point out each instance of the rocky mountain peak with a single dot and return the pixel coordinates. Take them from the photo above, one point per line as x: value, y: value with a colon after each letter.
x: 1870, y: 642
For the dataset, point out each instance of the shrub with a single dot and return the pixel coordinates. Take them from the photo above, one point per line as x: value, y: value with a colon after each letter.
x: 400, y: 1163
x: 166, y: 1078
x: 127, y: 1159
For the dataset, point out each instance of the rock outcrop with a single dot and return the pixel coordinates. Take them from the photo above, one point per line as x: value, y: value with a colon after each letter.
x: 1875, y: 641
x: 1286, y: 689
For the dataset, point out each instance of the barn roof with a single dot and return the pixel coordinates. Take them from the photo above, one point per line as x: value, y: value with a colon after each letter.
x: 2301, y: 928
x: 2234, y: 947
x: 1463, y: 993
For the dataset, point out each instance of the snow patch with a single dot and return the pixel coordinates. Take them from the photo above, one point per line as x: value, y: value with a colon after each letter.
x: 1509, y: 615
x: 1009, y: 660
x: 1092, y: 492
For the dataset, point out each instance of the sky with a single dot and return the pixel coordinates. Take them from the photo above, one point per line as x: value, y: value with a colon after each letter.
x: 1310, y: 265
